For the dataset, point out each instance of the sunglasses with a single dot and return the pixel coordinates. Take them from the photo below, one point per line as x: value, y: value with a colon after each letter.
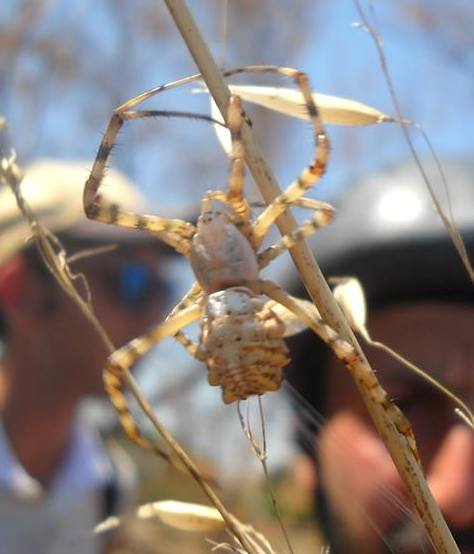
x: 133, y: 284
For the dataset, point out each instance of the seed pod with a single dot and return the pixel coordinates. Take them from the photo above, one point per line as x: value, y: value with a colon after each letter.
x: 183, y: 515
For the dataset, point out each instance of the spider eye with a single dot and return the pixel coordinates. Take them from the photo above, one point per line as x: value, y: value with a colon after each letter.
x: 207, y: 217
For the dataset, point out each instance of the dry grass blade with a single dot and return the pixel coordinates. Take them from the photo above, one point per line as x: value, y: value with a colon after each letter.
x: 189, y: 517
x: 51, y: 250
x: 334, y: 110
x: 350, y: 296
x: 262, y: 455
x: 463, y: 411
x: 391, y: 425
x: 257, y: 540
x: 184, y: 516
x: 56, y: 261
x: 349, y: 293
x: 448, y: 221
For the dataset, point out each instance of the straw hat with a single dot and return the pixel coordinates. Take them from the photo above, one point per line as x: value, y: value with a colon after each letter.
x: 53, y: 189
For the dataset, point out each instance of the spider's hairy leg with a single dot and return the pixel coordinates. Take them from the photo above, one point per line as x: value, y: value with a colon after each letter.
x: 315, y: 169
x: 235, y: 192
x: 313, y: 321
x: 113, y: 384
x: 210, y: 196
x: 192, y: 348
x: 128, y: 354
x: 193, y: 296
x: 120, y: 114
x: 174, y: 232
x: 309, y: 176
x: 345, y: 352
x: 323, y: 214
x: 122, y: 359
x: 234, y: 195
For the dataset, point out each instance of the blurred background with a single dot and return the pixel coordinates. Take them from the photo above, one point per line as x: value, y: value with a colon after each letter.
x: 64, y: 65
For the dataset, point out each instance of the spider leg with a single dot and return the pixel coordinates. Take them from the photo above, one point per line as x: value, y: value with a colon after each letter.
x: 308, y: 177
x: 123, y: 358
x: 175, y: 232
x: 156, y: 90
x: 342, y: 348
x: 235, y: 189
x: 210, y: 196
x: 315, y: 169
x: 193, y: 296
x: 234, y: 196
x: 359, y: 369
x: 192, y: 348
x: 322, y: 216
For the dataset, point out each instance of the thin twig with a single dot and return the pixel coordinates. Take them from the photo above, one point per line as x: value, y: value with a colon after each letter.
x: 11, y: 175
x: 451, y: 229
x: 262, y: 455
x: 397, y: 443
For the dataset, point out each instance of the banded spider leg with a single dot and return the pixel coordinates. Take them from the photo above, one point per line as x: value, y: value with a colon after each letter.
x: 241, y: 338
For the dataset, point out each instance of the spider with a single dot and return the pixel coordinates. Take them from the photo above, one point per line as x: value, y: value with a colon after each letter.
x: 242, y: 335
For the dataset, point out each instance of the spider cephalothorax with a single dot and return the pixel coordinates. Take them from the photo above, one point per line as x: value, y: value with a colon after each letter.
x: 221, y: 256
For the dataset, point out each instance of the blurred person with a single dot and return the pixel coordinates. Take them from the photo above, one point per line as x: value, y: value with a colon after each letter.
x: 420, y: 303
x: 57, y: 477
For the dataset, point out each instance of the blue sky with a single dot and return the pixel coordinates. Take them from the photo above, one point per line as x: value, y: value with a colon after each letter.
x: 56, y: 117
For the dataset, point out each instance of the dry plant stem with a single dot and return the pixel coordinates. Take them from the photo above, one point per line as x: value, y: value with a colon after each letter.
x: 231, y: 522
x: 463, y: 409
x: 261, y: 453
x: 396, y: 443
x: 261, y: 172
x: 11, y: 174
x: 55, y: 263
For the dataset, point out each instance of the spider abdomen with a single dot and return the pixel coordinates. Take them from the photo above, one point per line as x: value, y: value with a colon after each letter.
x: 243, y: 343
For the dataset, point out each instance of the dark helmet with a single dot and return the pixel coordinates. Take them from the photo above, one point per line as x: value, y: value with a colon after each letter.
x: 387, y: 233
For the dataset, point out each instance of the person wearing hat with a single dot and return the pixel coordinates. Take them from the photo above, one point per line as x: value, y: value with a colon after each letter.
x: 420, y: 303
x: 57, y: 478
